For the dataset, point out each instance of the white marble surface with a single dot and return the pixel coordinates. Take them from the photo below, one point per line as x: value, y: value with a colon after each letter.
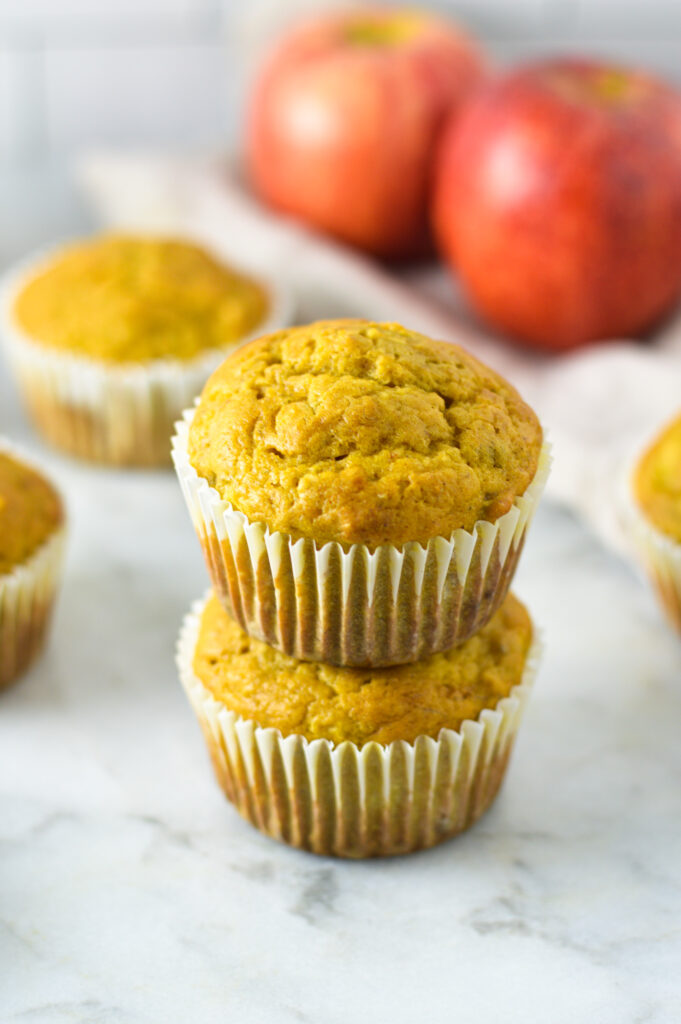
x: 130, y: 890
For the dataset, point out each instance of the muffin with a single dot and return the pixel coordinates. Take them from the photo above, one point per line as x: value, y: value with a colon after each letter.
x: 361, y: 493
x: 31, y: 546
x: 655, y: 518
x: 112, y: 337
x: 351, y: 762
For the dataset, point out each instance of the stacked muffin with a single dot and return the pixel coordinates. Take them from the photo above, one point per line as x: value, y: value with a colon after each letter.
x: 361, y: 494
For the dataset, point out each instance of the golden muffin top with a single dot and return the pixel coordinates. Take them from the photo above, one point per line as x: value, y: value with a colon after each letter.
x: 30, y: 511
x: 365, y: 432
x: 125, y: 299
x: 322, y: 701
x: 657, y: 481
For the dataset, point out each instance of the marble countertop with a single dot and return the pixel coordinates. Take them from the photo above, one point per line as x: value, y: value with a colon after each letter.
x: 130, y: 891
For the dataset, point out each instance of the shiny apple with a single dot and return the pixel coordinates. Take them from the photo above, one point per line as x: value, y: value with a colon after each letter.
x: 558, y: 202
x: 344, y: 117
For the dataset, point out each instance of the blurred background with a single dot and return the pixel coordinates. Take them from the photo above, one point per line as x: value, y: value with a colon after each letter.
x: 173, y: 74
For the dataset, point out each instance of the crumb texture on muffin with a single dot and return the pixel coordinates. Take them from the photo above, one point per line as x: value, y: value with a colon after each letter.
x: 30, y: 511
x: 363, y: 432
x: 320, y: 701
x: 127, y: 299
x: 657, y: 481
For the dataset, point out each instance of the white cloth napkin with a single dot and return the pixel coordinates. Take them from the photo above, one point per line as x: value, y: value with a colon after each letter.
x: 599, y: 405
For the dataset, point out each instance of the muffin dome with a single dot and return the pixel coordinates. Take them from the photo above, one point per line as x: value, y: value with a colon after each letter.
x: 30, y: 512
x: 657, y: 481
x: 319, y: 701
x: 124, y: 299
x: 363, y: 432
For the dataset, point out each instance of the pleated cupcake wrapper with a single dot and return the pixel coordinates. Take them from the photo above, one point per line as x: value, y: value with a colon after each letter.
x: 27, y: 596
x: 352, y: 606
x: 660, y: 555
x: 26, y: 600
x: 110, y: 413
x: 347, y: 801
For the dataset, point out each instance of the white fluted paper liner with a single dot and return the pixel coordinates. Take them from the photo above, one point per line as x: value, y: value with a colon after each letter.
x: 658, y: 554
x: 349, y: 605
x: 27, y: 596
x: 347, y: 801
x: 110, y: 413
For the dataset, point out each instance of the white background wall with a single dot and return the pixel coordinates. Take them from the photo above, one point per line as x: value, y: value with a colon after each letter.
x: 81, y: 73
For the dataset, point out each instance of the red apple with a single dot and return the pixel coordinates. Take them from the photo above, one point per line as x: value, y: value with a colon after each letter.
x: 558, y: 202
x: 344, y: 118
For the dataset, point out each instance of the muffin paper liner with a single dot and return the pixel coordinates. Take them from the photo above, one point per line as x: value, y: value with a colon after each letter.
x: 110, y: 413
x: 27, y: 596
x: 349, y: 605
x: 659, y: 555
x: 347, y: 801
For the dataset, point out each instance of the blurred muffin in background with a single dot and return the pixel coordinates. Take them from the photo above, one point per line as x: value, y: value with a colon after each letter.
x: 357, y: 762
x: 112, y: 337
x: 31, y: 547
x: 361, y: 492
x: 655, y: 518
